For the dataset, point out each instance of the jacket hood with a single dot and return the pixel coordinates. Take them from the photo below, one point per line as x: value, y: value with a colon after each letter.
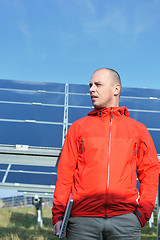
x: 106, y: 111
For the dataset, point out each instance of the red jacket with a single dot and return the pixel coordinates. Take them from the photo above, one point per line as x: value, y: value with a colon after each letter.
x: 102, y: 156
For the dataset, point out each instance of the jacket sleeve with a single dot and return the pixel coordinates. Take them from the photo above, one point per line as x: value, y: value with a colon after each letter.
x: 65, y: 172
x: 148, y: 172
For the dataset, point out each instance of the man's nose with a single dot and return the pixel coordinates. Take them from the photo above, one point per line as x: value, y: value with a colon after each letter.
x: 92, y: 89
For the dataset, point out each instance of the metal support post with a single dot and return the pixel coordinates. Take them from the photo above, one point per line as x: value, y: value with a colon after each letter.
x: 151, y: 221
x: 37, y: 202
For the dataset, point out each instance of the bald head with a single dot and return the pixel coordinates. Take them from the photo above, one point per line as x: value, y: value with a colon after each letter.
x: 114, y: 76
x: 105, y: 87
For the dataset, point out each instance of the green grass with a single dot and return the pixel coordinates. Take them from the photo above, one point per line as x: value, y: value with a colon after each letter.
x: 20, y: 223
x: 150, y: 233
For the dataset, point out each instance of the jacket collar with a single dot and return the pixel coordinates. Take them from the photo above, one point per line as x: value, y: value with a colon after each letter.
x: 110, y: 110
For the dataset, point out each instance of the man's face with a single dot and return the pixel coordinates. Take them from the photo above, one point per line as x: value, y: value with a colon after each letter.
x: 102, y: 89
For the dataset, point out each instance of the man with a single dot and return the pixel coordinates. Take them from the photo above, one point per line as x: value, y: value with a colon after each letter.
x: 102, y: 156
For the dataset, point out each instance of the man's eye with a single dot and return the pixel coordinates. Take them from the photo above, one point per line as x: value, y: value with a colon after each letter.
x: 98, y: 84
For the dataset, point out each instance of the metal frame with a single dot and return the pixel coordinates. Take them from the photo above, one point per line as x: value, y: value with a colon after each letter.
x: 32, y: 156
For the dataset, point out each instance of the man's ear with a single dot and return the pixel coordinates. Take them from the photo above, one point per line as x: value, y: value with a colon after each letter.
x: 117, y: 89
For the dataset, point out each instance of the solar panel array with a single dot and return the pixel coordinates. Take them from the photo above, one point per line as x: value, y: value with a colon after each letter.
x: 35, y: 118
x: 28, y: 177
x: 31, y: 114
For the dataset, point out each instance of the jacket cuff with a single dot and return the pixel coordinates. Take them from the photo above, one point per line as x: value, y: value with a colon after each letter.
x: 55, y: 220
x: 141, y: 218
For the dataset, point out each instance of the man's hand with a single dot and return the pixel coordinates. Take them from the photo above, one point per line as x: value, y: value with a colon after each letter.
x: 57, y: 227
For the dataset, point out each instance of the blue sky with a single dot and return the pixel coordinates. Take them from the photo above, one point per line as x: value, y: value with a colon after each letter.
x: 67, y: 40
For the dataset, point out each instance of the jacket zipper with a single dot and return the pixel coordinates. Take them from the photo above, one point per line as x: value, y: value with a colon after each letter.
x: 109, y: 149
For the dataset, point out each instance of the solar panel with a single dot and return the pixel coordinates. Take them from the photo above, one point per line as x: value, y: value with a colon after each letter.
x: 1, y: 176
x: 31, y: 112
x: 34, y: 120
x: 79, y: 100
x: 23, y: 96
x: 75, y: 113
x: 29, y: 85
x: 78, y: 88
x: 141, y: 104
x: 155, y: 134
x: 145, y: 117
x: 30, y: 133
x: 3, y: 166
x: 140, y: 92
x: 28, y: 177
x: 28, y: 168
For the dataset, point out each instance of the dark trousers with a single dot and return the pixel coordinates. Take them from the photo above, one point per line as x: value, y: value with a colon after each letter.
x: 126, y: 227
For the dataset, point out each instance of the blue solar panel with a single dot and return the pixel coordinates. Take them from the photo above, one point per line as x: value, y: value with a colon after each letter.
x: 3, y: 166
x: 42, y: 106
x: 29, y: 178
x: 32, y: 134
x: 32, y: 168
x: 140, y: 92
x: 156, y: 136
x: 28, y: 174
x: 77, y: 113
x: 32, y: 112
x: 32, y: 97
x: 78, y: 88
x: 148, y: 119
x: 80, y: 100
x: 141, y: 104
x: 1, y: 175
x: 28, y: 85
